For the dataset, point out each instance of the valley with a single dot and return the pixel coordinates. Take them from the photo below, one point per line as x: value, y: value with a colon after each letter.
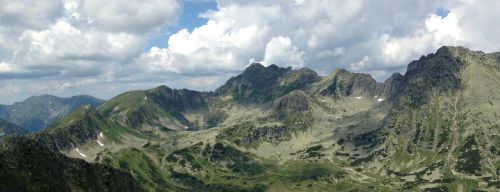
x: 435, y: 128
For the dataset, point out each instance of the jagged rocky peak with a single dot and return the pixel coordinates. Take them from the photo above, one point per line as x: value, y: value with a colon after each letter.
x: 258, y: 67
x: 255, y: 85
x: 392, y: 85
x: 262, y: 77
x: 345, y: 83
x: 444, y: 60
x: 436, y: 72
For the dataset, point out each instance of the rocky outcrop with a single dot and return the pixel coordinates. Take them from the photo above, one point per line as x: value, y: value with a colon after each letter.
x: 392, y: 85
x: 296, y: 101
x: 343, y: 83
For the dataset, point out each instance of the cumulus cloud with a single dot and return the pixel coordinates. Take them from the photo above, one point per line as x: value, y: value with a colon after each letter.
x: 279, y: 50
x: 86, y: 45
x: 130, y: 16
x: 319, y: 34
x: 32, y: 14
x: 364, y: 63
x: 379, y: 37
x: 63, y: 41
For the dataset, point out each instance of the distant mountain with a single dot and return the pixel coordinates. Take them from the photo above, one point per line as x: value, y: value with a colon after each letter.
x: 434, y: 128
x: 7, y: 128
x: 37, y: 112
x: 26, y: 165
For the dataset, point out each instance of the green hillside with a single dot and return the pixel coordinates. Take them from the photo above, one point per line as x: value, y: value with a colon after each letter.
x: 435, y: 128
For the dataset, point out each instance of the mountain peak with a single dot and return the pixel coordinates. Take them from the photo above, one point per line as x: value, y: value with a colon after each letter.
x: 455, y: 50
x: 161, y: 87
x: 256, y: 84
x: 345, y: 83
x: 255, y: 67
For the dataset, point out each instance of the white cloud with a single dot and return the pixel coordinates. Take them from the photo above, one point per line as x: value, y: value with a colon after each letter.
x: 131, y: 15
x: 31, y: 14
x: 158, y: 60
x: 89, y: 44
x: 279, y: 50
x: 5, y: 67
x: 65, y: 47
x: 438, y: 31
x: 364, y: 63
x: 317, y: 34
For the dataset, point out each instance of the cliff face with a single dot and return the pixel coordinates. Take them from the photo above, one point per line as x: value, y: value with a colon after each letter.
x: 344, y: 83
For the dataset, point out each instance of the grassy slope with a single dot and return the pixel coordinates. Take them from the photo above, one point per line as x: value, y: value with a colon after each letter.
x: 344, y: 146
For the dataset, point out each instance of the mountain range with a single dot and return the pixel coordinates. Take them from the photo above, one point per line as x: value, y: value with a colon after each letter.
x: 434, y: 128
x: 37, y: 112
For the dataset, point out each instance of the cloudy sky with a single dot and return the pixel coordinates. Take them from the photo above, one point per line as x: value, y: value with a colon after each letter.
x: 103, y: 48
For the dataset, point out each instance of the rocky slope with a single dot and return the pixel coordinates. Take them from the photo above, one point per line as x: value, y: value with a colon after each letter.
x: 435, y: 128
x: 26, y: 165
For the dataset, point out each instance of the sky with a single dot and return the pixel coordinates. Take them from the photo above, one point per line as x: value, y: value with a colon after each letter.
x: 103, y: 48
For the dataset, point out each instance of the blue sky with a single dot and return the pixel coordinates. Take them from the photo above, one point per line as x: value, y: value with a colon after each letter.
x: 443, y: 12
x: 189, y: 19
x: 104, y: 48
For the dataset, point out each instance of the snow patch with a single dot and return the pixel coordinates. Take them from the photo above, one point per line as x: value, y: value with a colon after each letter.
x: 1, y: 134
x: 101, y: 136
x: 115, y: 109
x: 358, y: 97
x: 380, y: 100
x: 99, y: 142
x: 185, y: 127
x: 376, y: 96
x: 145, y: 98
x: 83, y: 155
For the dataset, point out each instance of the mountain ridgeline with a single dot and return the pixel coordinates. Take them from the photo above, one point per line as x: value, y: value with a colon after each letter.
x: 7, y: 128
x: 435, y: 128
x: 37, y: 112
